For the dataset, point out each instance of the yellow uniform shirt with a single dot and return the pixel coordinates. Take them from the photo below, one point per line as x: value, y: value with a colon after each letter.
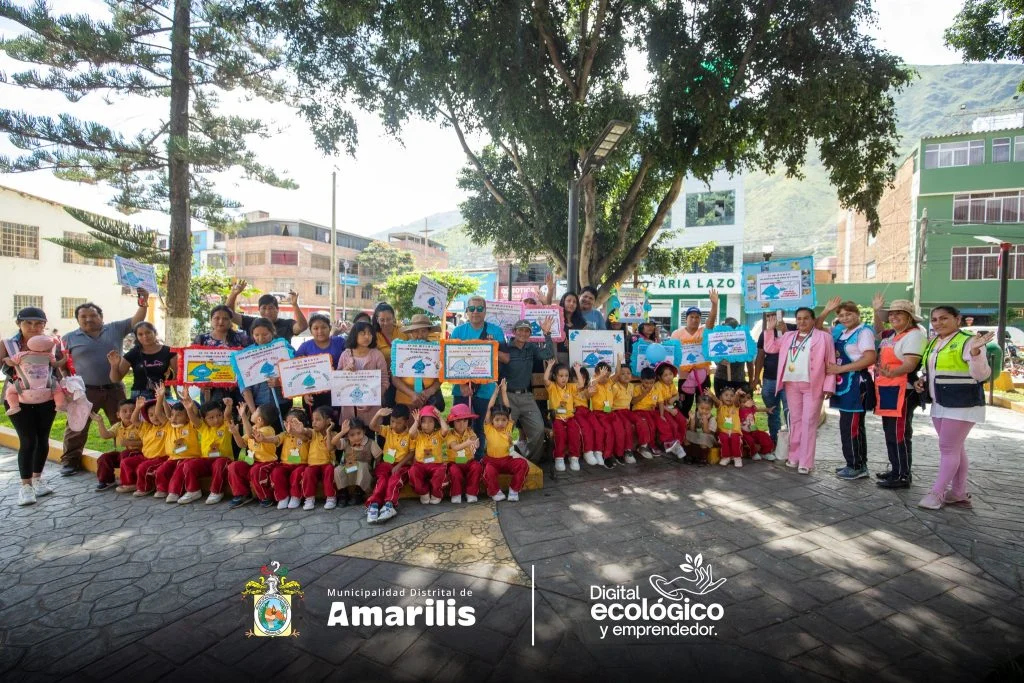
x: 728, y: 419
x: 459, y: 455
x: 320, y: 452
x: 622, y: 396
x: 183, y: 442
x: 648, y: 402
x: 294, y: 450
x: 603, y: 400
x: 123, y: 434
x: 215, y: 442
x: 397, y: 445
x: 429, y: 448
x: 562, y: 401
x: 266, y: 451
x: 580, y: 399
x: 499, y: 441
x: 154, y: 439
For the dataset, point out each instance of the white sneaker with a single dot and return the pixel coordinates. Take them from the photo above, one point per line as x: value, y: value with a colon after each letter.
x: 283, y: 505
x: 756, y: 457
x: 645, y: 453
x: 588, y: 458
x: 189, y: 497
x: 513, y: 496
x: 499, y: 496
x: 214, y: 498
x: 294, y: 502
x: 725, y: 461
x: 309, y: 504
x: 173, y: 497
x: 160, y: 494
x: 574, y: 464
x: 559, y: 464
x: 677, y: 448
x: 434, y: 501
x: 599, y: 458
x: 630, y: 460
x: 125, y: 488
x: 457, y: 499
x: 39, y: 488
x: 372, y: 514
x: 737, y: 462
x: 770, y: 457
x: 387, y: 512
x: 141, y: 494
x: 26, y: 496
x: 331, y: 504
x: 425, y: 498
x: 471, y: 499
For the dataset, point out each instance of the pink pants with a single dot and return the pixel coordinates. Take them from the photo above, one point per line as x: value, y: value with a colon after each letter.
x: 731, y: 444
x: 312, y: 474
x: 758, y: 442
x: 643, y: 426
x: 804, y: 412
x: 567, y: 438
x: 145, y: 473
x: 427, y: 478
x: 465, y: 477
x: 517, y: 467
x: 952, y: 456
x: 204, y: 467
x: 390, y: 480
x: 287, y: 481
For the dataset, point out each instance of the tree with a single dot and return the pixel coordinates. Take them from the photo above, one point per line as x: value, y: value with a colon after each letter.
x: 745, y: 84
x: 383, y: 261
x: 399, y: 289
x: 177, y: 52
x: 209, y: 288
x: 109, y: 238
x: 989, y: 30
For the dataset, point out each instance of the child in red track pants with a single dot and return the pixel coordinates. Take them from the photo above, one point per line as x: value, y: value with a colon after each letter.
x: 429, y: 473
x: 215, y: 440
x: 462, y: 443
x: 758, y: 441
x: 562, y: 404
x: 125, y: 434
x: 287, y: 477
x: 139, y: 476
x: 320, y: 466
x: 253, y: 472
x: 729, y: 429
x: 392, y: 471
x: 500, y: 457
x: 602, y: 408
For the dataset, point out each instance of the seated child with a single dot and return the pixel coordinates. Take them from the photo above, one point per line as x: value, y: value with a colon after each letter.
x: 465, y: 471
x: 622, y: 400
x: 182, y: 445
x: 127, y: 443
x: 428, y: 472
x: 287, y: 477
x: 154, y: 432
x: 215, y: 445
x: 601, y: 393
x: 561, y: 404
x: 36, y: 380
x: 501, y: 456
x: 757, y: 440
x: 671, y: 423
x: 255, y: 464
x: 592, y: 430
x: 701, y: 437
x: 645, y: 399
x: 353, y: 477
x: 392, y: 472
x: 320, y: 467
x: 729, y: 428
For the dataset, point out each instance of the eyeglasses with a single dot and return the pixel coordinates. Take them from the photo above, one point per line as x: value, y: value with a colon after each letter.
x: 476, y: 309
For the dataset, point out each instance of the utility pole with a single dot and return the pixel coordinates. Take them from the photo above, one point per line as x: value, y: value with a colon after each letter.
x: 1004, y: 278
x: 919, y: 259
x: 334, y: 249
x: 426, y: 239
x: 344, y: 291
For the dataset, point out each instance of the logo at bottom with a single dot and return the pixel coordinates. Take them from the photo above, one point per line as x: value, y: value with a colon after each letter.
x: 272, y: 601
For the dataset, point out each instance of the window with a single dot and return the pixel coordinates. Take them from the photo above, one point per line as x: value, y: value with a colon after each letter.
x: 255, y: 258
x: 23, y: 300
x: 719, y: 261
x: 982, y: 263
x: 320, y: 262
x: 216, y: 260
x: 127, y: 291
x: 871, y: 238
x: 68, y: 306
x: 284, y: 258
x: 949, y: 154
x: 1000, y: 150
x: 284, y: 285
x: 1018, y: 148
x: 711, y: 208
x: 323, y: 288
x: 219, y: 236
x: 19, y: 241
x: 987, y: 207
x: 72, y: 256
x: 162, y: 243
x: 870, y: 270
x: 350, y: 292
x: 368, y: 292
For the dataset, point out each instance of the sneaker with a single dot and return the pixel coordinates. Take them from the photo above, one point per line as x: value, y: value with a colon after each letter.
x: 513, y: 496
x: 330, y: 503
x: 791, y: 463
x: 70, y: 470
x: 645, y: 453
x: 345, y: 500
x: 214, y: 498
x: 862, y: 473
x: 141, y: 494
x: 598, y: 457
x: 425, y: 498
x: 125, y: 488
x: 574, y: 464
x: 160, y: 494
x: 457, y: 499
x: 26, y: 496
x: 266, y: 503
x: 756, y: 457
x: 932, y: 501
x: 239, y: 501
x: 803, y: 470
x: 434, y: 500
x: 894, y: 483
x: 281, y: 504
x: 883, y: 475
x: 725, y: 461
x: 559, y: 464
x: 372, y: 514
x: 677, y: 448
x: 960, y: 502
x: 387, y: 512
x: 843, y: 467
x: 610, y: 463
x: 588, y: 458
x: 770, y: 457
x: 630, y: 460
x: 294, y: 502
x: 498, y: 497
x: 190, y: 496
x: 359, y: 498
x: 101, y: 486
x: 737, y: 462
x: 173, y: 497
x: 846, y: 473
x: 309, y: 503
x: 42, y: 489
x: 471, y: 499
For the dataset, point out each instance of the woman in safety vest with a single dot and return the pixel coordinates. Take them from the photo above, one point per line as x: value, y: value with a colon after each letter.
x: 693, y: 378
x: 955, y: 367
x: 855, y: 391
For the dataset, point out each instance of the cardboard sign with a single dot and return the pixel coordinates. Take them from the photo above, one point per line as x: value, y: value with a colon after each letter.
x: 206, y: 366
x: 472, y: 361
x: 504, y: 314
x: 632, y: 302
x: 536, y: 315
x: 691, y: 354
x: 727, y: 343
x: 431, y: 296
x: 305, y: 375
x: 420, y: 359
x: 133, y: 274
x: 671, y: 348
x: 590, y: 347
x: 256, y: 364
x: 357, y: 388
x: 772, y: 285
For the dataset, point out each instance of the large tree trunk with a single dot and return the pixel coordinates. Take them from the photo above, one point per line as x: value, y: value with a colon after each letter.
x: 179, y: 273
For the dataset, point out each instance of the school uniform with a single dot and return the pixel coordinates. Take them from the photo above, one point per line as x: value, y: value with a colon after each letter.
x: 592, y: 430
x: 428, y: 472
x: 215, y: 447
x: 111, y: 460
x: 154, y: 453
x: 392, y: 472
x: 666, y: 429
x: 182, y: 445
x: 355, y: 467
x: 729, y: 430
x: 463, y: 469
x: 625, y: 431
x: 243, y: 477
x: 678, y: 420
x: 567, y: 433
x: 757, y: 440
x: 643, y: 404
x: 319, y: 468
x: 287, y: 476
x: 498, y: 460
x: 602, y: 404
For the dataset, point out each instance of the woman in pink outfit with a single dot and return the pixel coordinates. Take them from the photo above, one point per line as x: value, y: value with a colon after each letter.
x: 361, y: 353
x: 804, y: 356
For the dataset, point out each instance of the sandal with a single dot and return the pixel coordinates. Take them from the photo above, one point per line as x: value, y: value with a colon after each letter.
x: 964, y: 502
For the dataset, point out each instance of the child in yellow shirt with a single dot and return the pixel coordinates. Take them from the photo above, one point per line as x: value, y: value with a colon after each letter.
x: 500, y: 456
x: 320, y: 467
x: 154, y: 431
x: 251, y: 472
x: 182, y: 445
x: 645, y: 399
x: 427, y: 432
x: 465, y: 471
x: 392, y: 472
x: 562, y: 405
x: 622, y: 401
x: 730, y: 428
x: 215, y: 445
x: 127, y: 444
x: 287, y: 477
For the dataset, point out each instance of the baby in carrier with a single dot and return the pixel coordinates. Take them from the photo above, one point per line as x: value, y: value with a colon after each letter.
x: 36, y: 381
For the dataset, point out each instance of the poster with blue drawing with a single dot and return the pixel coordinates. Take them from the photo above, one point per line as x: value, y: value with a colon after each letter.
x: 355, y: 388
x: 590, y: 347
x: 417, y: 359
x: 691, y: 354
x: 131, y: 273
x: 632, y: 304
x: 648, y: 355
x: 256, y: 364
x: 786, y: 284
x: 469, y: 361
x: 305, y: 375
x: 733, y: 344
x: 536, y: 315
x: 431, y: 296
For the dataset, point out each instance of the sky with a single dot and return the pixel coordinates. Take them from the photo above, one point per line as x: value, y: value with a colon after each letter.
x: 388, y: 183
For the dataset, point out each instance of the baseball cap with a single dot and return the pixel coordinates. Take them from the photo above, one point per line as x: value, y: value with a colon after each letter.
x: 692, y: 309
x: 522, y: 323
x: 31, y: 314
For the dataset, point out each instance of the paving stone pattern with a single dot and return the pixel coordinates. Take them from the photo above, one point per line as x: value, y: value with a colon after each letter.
x: 825, y: 579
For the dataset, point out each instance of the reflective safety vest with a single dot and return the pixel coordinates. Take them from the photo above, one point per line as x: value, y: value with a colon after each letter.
x: 954, y: 386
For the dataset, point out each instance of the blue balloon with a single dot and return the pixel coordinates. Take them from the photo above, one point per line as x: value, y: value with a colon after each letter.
x: 655, y: 353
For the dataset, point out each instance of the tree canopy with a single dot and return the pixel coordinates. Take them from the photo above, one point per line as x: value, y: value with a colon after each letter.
x: 399, y: 289
x: 733, y: 85
x: 988, y: 30
x: 383, y: 261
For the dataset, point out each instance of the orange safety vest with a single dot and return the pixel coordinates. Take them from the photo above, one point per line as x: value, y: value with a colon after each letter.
x: 890, y: 392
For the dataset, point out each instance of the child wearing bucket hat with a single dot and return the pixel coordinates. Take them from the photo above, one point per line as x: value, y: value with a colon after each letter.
x: 461, y: 444
x: 428, y: 473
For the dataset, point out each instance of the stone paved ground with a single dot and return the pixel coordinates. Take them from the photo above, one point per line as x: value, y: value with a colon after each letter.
x: 824, y: 579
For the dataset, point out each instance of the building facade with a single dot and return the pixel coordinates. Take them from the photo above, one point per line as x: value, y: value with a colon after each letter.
x: 426, y: 253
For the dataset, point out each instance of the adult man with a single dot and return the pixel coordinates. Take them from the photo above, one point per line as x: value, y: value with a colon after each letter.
x: 519, y: 379
x: 477, y: 328
x: 769, y: 363
x: 88, y: 347
x: 284, y: 328
x: 693, y: 378
x: 732, y: 375
x: 593, y: 316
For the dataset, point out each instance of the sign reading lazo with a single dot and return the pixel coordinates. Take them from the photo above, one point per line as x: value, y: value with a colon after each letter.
x: 694, y: 283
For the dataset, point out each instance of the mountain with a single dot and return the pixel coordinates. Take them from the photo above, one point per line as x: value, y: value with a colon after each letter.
x: 435, y: 222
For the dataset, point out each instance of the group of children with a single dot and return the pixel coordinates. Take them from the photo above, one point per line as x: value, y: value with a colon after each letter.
x: 607, y: 418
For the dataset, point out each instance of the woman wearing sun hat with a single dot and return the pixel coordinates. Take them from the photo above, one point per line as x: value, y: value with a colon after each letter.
x: 899, y: 356
x: 419, y: 329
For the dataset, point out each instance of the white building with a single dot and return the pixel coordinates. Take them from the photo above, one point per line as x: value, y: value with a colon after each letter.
x: 39, y: 273
x: 704, y: 212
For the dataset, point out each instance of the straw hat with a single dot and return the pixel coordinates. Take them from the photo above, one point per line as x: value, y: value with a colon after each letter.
x: 904, y: 306
x: 420, y: 322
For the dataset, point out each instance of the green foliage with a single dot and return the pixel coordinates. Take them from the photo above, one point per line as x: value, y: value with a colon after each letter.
x: 989, y: 30
x: 399, y: 289
x: 383, y: 260
x: 867, y: 315
x: 109, y: 238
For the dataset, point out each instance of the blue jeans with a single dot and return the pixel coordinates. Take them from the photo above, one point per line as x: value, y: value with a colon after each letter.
x: 773, y: 400
x: 479, y: 406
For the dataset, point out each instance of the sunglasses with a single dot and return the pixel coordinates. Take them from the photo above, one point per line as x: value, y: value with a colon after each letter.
x: 476, y: 309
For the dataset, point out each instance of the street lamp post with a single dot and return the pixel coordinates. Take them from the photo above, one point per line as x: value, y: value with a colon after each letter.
x: 1004, y: 279
x: 595, y: 156
x: 344, y: 290
x: 334, y: 249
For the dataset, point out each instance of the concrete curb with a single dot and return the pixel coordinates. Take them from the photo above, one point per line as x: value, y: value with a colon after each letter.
x: 9, y: 439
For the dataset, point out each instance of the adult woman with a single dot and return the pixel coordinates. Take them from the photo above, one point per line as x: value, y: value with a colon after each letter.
x: 648, y: 331
x: 951, y: 361
x: 149, y: 361
x: 419, y: 329
x: 855, y: 353
x: 572, y: 319
x: 385, y: 331
x: 693, y: 377
x: 269, y: 392
x: 322, y: 342
x: 801, y: 373
x: 221, y: 333
x: 361, y: 353
x: 899, y: 355
x: 33, y: 421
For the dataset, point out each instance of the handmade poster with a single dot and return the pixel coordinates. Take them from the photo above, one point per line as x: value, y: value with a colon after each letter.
x: 786, y: 284
x: 727, y: 343
x: 691, y: 354
x: 631, y: 304
x: 669, y: 351
x: 431, y: 296
x: 133, y: 274
x: 420, y: 359
x: 256, y: 364
x: 590, y: 347
x: 469, y: 361
x: 305, y: 375
x: 206, y: 366
x: 356, y: 388
x: 504, y: 314
x: 536, y: 315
